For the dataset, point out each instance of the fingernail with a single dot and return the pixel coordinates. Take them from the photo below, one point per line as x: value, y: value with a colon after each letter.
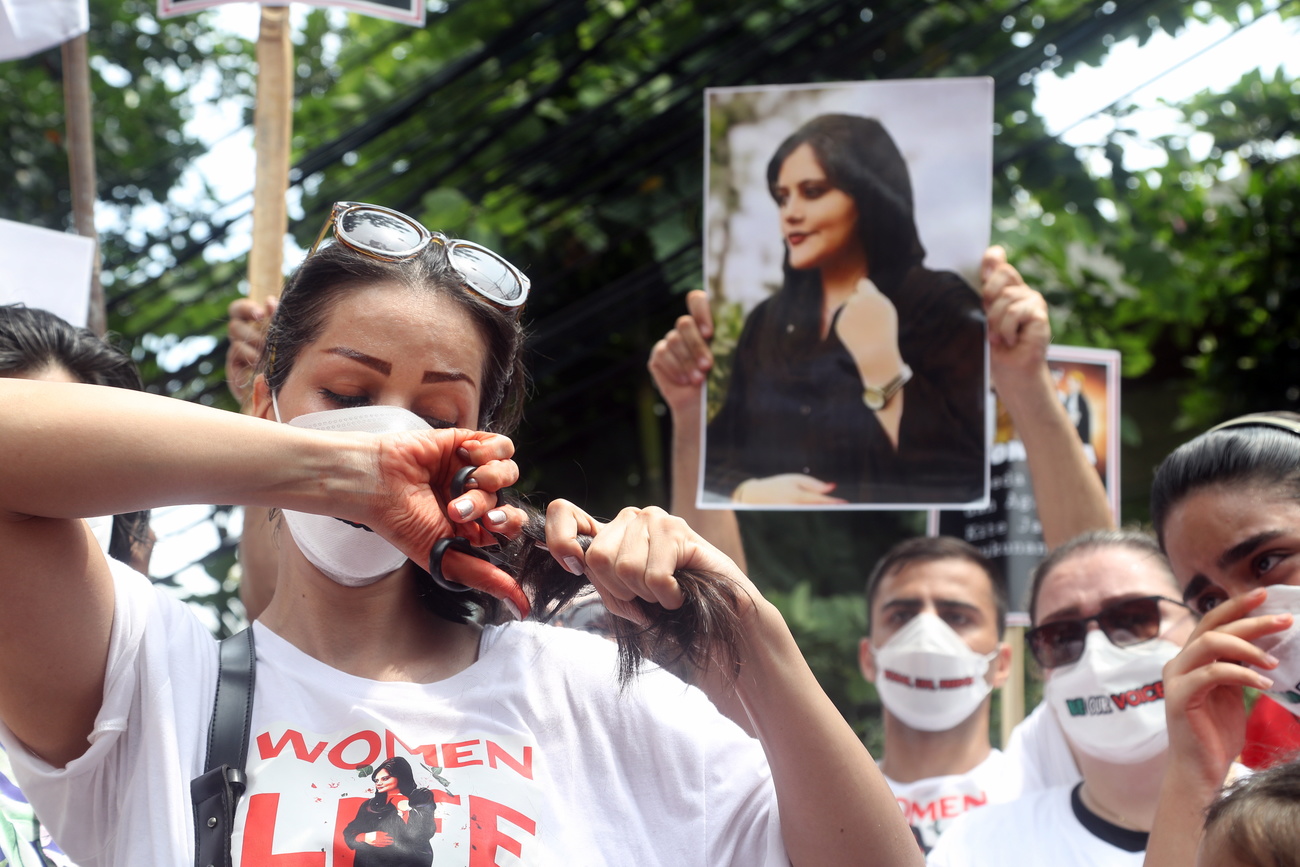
x: 463, y: 454
x: 1264, y: 682
x: 463, y: 507
x: 496, y: 516
x: 513, y: 609
x: 573, y: 564
x: 1270, y: 661
x: 471, y: 483
x: 1282, y: 619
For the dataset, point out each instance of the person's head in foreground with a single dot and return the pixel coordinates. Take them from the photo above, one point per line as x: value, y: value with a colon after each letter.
x: 937, y: 613
x: 37, y: 344
x: 392, y: 327
x: 1226, y: 508
x: 1256, y: 823
x: 1106, y: 620
x: 845, y: 197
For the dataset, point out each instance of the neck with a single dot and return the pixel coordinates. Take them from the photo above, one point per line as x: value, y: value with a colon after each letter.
x: 1123, y: 795
x: 379, y: 632
x: 840, y: 279
x: 912, y: 755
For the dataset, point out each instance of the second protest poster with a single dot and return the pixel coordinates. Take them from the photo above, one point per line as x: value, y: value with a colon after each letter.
x: 844, y: 225
x: 1007, y: 530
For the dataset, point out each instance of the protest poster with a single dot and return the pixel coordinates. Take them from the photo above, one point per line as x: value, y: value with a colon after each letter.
x: 405, y: 11
x: 844, y: 225
x: 46, y: 269
x: 1007, y: 530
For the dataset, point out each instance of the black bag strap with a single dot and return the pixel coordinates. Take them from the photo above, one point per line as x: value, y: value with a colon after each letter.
x: 216, y: 792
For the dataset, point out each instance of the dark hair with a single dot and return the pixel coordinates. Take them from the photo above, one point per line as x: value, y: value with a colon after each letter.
x: 861, y: 159
x: 927, y: 549
x: 400, y: 769
x: 1094, y: 540
x: 335, y: 269
x: 1255, y: 453
x: 32, y: 340
x: 1260, y: 817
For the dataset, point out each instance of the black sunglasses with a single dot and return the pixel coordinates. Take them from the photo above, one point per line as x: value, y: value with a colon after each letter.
x: 392, y: 236
x: 1131, y: 621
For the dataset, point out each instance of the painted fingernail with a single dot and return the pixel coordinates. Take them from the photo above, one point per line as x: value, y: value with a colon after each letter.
x: 496, y: 516
x: 462, y: 453
x: 463, y: 507
x: 573, y: 564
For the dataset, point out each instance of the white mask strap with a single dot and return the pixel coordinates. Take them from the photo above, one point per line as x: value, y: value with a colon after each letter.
x: 275, y: 406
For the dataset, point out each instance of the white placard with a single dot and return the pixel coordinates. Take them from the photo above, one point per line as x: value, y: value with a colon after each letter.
x: 46, y: 269
x: 405, y: 11
x: 28, y: 27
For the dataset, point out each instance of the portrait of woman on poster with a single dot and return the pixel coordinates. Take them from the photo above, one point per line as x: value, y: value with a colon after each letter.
x: 862, y: 379
x: 393, y: 828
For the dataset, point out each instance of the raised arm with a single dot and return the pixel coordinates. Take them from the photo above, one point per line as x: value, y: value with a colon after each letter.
x: 835, y: 806
x: 680, y: 363
x: 1206, y: 713
x: 257, y: 553
x: 74, y: 450
x: 1071, y: 498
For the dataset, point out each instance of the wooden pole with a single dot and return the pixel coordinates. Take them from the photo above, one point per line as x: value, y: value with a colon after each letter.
x: 272, y: 131
x: 1013, y: 691
x: 81, y: 164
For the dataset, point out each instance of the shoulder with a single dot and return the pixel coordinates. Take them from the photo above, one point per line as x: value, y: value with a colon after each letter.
x: 1001, y: 833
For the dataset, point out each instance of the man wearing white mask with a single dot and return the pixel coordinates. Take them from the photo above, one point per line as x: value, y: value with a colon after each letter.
x: 1108, y: 616
x: 937, y: 611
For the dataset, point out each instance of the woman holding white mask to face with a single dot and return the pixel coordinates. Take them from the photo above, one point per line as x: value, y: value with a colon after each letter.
x: 394, y: 361
x: 1106, y: 621
x: 1224, y: 506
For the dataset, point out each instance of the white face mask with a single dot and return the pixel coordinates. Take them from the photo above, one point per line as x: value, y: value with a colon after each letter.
x: 350, y: 554
x: 927, y: 676
x: 1111, y: 703
x: 1285, y: 647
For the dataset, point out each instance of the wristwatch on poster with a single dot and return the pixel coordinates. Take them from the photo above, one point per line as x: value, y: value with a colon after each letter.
x: 877, y: 397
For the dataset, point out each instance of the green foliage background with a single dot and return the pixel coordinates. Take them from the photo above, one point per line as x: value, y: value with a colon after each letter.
x: 566, y: 133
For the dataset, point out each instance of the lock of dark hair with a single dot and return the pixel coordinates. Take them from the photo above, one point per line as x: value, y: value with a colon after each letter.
x: 704, y: 633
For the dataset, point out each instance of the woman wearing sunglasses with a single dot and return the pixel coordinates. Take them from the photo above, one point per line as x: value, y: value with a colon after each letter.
x: 1106, y: 621
x: 392, y: 366
x: 1224, y: 506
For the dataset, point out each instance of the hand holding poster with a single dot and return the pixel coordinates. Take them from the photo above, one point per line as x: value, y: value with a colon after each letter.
x: 845, y: 225
x: 1008, y: 531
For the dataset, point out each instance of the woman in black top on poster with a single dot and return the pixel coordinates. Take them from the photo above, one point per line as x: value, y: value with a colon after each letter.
x: 861, y: 380
x: 393, y: 828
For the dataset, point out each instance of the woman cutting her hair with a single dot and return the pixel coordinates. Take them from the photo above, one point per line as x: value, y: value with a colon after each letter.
x: 392, y: 364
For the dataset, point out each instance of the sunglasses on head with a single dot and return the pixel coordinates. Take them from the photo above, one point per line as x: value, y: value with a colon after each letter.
x: 1131, y: 621
x: 392, y: 236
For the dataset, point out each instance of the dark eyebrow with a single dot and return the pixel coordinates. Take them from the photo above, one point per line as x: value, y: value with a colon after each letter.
x: 1245, y: 548
x: 446, y: 376
x: 1196, y: 587
x: 381, y: 366
x: 377, y: 364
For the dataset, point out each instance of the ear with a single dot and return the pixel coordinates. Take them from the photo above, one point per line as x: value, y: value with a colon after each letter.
x: 1001, y: 667
x: 867, y: 660
x: 260, y: 405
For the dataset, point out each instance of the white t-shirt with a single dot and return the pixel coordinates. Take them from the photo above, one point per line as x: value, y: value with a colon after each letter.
x: 1039, y: 748
x: 1041, y: 828
x: 931, y: 805
x: 529, y: 756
